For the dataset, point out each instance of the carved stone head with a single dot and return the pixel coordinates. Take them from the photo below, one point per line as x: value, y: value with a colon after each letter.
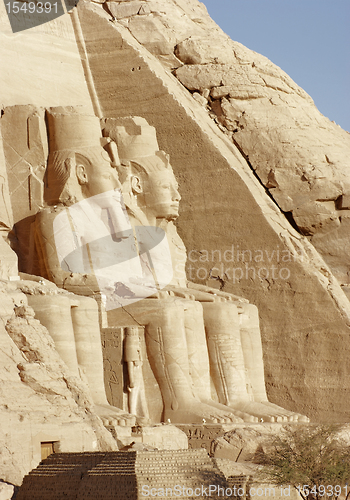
x: 148, y: 181
x: 154, y: 184
x: 78, y: 166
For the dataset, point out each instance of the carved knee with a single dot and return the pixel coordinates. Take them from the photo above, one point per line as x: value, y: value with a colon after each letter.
x: 249, y: 317
x: 221, y: 313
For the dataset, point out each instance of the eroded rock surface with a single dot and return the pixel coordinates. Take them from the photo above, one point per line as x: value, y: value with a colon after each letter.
x: 41, y: 400
x: 300, y: 156
x: 245, y: 114
x: 237, y: 238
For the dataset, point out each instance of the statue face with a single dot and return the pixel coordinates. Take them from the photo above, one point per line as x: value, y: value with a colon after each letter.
x: 100, y: 176
x: 161, y: 195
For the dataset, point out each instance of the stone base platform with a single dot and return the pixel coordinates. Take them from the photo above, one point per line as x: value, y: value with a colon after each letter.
x: 203, y: 435
x: 160, y: 436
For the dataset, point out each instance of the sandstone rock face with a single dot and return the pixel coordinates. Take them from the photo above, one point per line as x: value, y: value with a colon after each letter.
x: 25, y: 154
x: 42, y: 401
x: 6, y: 491
x: 242, y: 444
x: 8, y: 259
x: 245, y: 114
x: 41, y: 66
x: 233, y: 232
x: 301, y: 157
x: 127, y: 9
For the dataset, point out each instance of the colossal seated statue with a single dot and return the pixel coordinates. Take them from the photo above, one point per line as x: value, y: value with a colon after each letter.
x: 216, y: 323
x: 193, y: 333
x: 73, y: 320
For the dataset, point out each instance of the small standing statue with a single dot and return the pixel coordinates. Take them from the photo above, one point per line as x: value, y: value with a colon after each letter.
x: 133, y: 359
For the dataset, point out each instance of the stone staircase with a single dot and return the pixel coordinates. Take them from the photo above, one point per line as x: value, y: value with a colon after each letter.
x: 123, y: 475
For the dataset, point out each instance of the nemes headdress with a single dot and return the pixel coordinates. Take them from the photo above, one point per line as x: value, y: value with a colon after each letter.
x: 70, y: 133
x: 136, y: 141
x: 72, y: 130
x: 138, y: 151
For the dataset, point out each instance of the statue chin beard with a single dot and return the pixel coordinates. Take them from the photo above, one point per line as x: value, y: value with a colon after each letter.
x: 171, y: 216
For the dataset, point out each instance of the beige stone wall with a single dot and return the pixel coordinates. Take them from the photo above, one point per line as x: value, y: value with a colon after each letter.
x: 41, y: 401
x: 304, y: 318
x: 42, y: 65
x: 8, y: 260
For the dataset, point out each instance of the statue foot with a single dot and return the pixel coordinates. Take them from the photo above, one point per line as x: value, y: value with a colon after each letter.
x: 201, y: 413
x: 268, y: 412
x: 143, y: 421
x: 259, y: 411
x: 293, y: 417
x: 110, y: 415
x: 246, y: 417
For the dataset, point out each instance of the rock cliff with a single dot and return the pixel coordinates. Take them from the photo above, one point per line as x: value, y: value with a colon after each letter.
x: 299, y: 156
x: 237, y: 237
x: 41, y: 400
x: 265, y: 201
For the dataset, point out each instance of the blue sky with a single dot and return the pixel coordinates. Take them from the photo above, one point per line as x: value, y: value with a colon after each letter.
x: 308, y: 39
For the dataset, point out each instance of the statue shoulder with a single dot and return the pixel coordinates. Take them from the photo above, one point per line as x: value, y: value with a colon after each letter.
x: 48, y: 214
x: 54, y: 224
x: 172, y: 233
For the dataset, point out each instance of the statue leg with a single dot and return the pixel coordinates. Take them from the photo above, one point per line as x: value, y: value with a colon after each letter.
x: 225, y: 350
x: 54, y: 312
x: 236, y: 360
x: 253, y: 360
x: 197, y: 348
x: 252, y: 350
x: 73, y: 324
x: 167, y: 350
x: 89, y: 354
x: 198, y: 357
x: 88, y: 346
